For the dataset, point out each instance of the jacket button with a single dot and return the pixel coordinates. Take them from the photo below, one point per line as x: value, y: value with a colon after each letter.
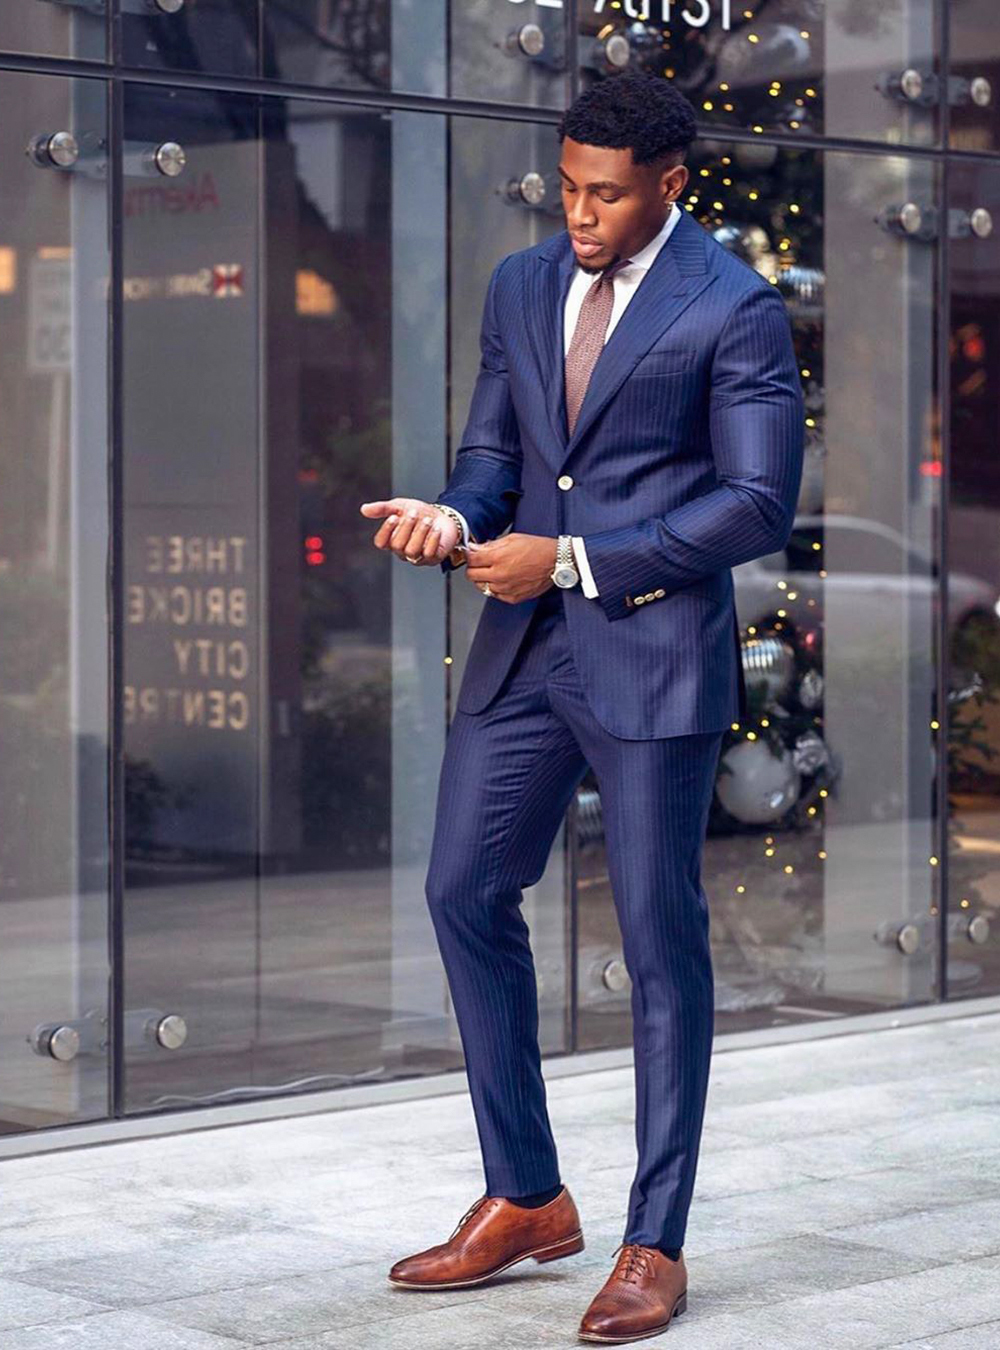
x: 649, y: 596
x: 660, y: 593
x: 639, y: 600
x: 564, y: 481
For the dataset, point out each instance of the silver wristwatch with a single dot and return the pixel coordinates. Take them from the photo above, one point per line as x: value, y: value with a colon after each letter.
x: 564, y: 573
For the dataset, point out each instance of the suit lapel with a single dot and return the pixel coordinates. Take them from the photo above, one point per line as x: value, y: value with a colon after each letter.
x: 677, y: 276
x: 545, y: 301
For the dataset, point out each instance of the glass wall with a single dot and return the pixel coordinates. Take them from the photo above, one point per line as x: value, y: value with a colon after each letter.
x: 822, y: 826
x: 232, y: 314
x: 54, y: 608
x: 972, y: 917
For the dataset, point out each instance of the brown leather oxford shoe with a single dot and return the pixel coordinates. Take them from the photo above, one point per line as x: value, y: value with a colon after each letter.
x: 640, y: 1297
x: 491, y: 1235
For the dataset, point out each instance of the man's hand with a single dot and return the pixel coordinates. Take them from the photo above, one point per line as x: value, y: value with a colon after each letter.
x: 517, y: 566
x: 413, y: 529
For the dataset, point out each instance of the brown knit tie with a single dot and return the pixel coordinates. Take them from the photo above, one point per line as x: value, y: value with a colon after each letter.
x: 588, y: 338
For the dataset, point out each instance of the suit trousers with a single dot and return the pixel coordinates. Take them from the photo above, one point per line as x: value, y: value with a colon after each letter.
x: 507, y: 777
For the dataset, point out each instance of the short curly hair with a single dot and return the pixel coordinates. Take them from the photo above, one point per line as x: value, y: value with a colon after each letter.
x: 632, y: 109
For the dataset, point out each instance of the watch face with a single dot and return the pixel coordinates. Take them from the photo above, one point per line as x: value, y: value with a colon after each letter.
x: 565, y: 576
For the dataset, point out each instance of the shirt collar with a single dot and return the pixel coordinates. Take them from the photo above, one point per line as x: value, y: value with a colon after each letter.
x: 644, y: 258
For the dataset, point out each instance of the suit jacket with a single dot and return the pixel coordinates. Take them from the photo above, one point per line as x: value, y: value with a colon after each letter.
x: 686, y: 459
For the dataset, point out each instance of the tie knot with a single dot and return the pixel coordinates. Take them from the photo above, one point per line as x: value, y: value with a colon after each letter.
x: 609, y: 272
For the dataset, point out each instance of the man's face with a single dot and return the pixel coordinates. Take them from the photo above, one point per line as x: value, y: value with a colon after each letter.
x: 609, y: 199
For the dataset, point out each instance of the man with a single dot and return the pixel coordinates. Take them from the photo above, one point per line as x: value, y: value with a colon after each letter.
x: 637, y: 423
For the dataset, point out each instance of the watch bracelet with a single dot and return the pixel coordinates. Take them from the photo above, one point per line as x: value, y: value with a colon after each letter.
x: 453, y: 514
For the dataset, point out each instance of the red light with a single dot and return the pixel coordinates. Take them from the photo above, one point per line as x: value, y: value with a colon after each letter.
x: 931, y: 468
x: 314, y: 559
x: 314, y: 541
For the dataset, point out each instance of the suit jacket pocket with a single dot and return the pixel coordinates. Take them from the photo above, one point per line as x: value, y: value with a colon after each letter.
x: 664, y: 361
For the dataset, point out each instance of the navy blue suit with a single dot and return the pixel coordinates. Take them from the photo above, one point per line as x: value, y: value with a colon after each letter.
x: 686, y: 458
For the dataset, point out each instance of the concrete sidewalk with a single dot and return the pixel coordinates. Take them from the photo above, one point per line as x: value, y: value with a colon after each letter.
x: 848, y: 1196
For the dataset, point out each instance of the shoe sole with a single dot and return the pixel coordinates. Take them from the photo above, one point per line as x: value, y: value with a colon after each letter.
x: 551, y: 1252
x: 679, y: 1307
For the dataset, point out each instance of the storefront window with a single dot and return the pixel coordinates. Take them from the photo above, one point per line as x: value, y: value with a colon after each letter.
x: 285, y: 682
x: 818, y: 865
x: 296, y: 330
x: 972, y: 904
x: 54, y: 608
x: 858, y: 69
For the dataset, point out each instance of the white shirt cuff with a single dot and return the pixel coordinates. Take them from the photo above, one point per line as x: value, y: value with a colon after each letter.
x: 465, y: 526
x: 583, y: 567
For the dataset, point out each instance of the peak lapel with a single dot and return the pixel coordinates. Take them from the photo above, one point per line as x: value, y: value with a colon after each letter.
x: 544, y: 304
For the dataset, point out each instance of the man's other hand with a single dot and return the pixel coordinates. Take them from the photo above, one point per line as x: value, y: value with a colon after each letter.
x: 413, y: 529
x: 517, y: 566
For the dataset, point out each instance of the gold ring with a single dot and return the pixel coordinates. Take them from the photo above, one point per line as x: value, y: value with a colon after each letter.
x: 486, y: 589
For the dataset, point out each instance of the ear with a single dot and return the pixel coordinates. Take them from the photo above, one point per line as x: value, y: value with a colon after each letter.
x: 674, y: 180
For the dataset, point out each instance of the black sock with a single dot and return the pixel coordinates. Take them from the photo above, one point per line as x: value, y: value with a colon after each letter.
x: 672, y: 1252
x: 535, y: 1200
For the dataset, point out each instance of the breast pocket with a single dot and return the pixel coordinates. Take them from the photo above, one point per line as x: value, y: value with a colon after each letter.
x: 664, y: 361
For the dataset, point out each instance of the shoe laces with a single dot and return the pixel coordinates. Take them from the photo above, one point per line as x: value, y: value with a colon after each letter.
x: 635, y: 1260
x: 476, y: 1204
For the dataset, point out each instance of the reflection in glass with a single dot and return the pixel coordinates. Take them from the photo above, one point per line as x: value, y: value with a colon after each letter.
x: 508, y: 51
x: 848, y: 68
x: 357, y: 44
x: 973, y: 917
x: 974, y: 87
x: 217, y: 36
x: 54, y: 543
x: 53, y: 28
x: 818, y: 863
x: 284, y: 680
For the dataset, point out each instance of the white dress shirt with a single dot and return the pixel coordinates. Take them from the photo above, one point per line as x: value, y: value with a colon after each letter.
x: 624, y: 285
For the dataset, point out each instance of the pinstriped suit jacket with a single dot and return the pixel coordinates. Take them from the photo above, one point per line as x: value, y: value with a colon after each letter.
x: 686, y: 459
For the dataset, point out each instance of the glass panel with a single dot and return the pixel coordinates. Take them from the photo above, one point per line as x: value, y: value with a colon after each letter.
x: 817, y: 862
x: 504, y: 196
x: 973, y: 920
x: 510, y: 51
x: 357, y: 44
x: 54, y: 621
x: 974, y: 86
x: 193, y: 549
x: 76, y: 28
x: 284, y: 347
x: 848, y: 68
x: 214, y: 36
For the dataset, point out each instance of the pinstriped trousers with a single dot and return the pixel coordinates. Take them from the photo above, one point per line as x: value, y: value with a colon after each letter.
x: 507, y: 777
